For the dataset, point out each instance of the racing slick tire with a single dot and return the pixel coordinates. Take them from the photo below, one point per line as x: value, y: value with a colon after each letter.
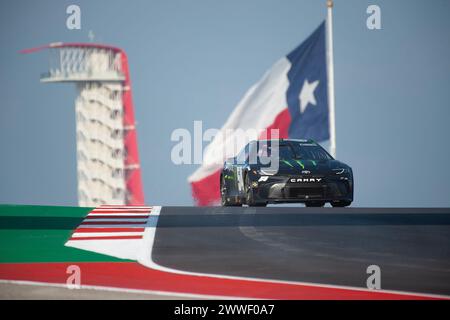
x: 249, y: 196
x: 314, y: 203
x: 224, y: 199
x: 340, y: 203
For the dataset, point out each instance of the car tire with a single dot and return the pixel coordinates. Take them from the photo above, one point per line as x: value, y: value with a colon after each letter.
x: 340, y: 203
x: 314, y: 204
x: 249, y: 197
x: 224, y: 199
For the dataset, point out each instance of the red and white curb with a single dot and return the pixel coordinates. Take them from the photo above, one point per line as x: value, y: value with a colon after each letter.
x: 113, y: 230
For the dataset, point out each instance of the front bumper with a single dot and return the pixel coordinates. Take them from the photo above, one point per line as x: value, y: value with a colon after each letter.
x: 280, y: 189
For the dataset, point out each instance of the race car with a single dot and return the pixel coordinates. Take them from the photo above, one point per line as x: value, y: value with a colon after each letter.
x: 283, y: 171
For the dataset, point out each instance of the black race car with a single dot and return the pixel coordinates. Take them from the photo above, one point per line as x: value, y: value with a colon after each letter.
x: 285, y: 170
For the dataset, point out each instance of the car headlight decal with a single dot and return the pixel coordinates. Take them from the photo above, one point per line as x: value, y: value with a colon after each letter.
x: 266, y: 172
x: 339, y: 171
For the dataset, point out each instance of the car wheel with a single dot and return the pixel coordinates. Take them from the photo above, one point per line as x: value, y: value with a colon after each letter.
x: 315, y: 203
x: 341, y: 203
x: 248, y: 192
x: 225, y: 200
x: 249, y: 197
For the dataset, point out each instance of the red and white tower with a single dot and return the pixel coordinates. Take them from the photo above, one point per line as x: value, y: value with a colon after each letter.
x: 107, y: 152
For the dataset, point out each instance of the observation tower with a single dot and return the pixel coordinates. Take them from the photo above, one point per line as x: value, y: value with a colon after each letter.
x: 108, y: 168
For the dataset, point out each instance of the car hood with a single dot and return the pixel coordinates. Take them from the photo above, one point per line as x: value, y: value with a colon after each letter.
x: 295, y: 167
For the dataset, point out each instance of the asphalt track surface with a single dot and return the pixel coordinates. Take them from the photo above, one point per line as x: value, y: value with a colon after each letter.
x: 332, y: 246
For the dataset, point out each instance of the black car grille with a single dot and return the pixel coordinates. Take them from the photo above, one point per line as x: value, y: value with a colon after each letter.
x: 304, y: 192
x: 339, y: 189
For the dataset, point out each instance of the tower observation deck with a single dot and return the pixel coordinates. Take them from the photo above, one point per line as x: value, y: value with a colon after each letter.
x: 108, y: 168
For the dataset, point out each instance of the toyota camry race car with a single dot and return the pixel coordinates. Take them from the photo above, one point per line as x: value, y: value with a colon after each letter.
x: 276, y: 171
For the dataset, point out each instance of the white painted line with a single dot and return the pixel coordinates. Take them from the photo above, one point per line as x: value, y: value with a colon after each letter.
x: 124, y: 220
x: 122, y: 225
x: 122, y: 208
x: 105, y: 234
x: 128, y: 214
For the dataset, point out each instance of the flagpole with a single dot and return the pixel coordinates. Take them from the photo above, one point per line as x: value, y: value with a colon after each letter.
x: 330, y: 73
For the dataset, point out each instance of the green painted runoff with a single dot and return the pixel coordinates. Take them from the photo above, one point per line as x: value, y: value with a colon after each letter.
x: 38, y: 234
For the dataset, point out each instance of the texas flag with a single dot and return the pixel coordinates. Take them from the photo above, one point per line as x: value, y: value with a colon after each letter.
x: 291, y: 97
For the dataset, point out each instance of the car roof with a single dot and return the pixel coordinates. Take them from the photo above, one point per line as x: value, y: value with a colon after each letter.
x: 285, y: 140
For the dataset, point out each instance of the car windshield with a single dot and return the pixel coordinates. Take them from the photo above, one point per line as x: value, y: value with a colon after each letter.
x: 283, y: 151
x: 290, y: 150
x: 309, y: 151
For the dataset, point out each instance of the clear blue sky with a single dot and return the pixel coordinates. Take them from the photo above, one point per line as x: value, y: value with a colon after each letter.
x: 193, y: 60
